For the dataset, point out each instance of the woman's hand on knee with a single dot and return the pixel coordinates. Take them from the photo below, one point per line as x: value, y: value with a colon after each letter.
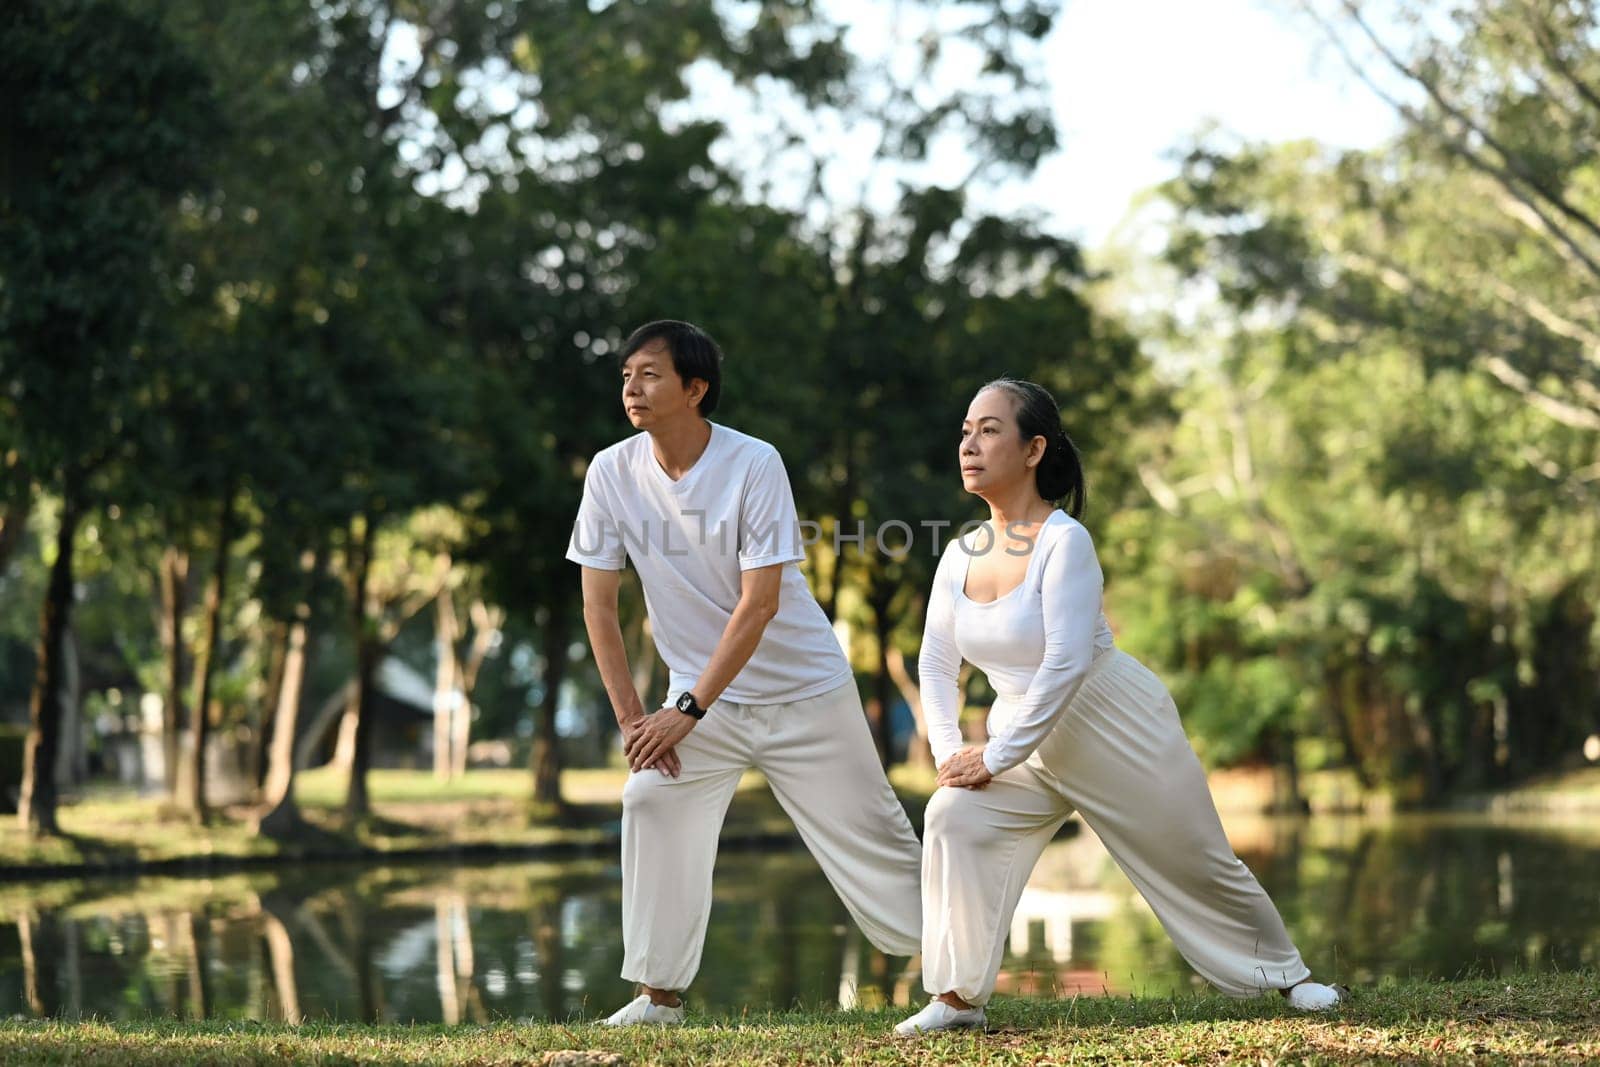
x: 965, y: 770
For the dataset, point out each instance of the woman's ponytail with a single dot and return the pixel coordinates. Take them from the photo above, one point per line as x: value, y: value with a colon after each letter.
x: 1060, y: 472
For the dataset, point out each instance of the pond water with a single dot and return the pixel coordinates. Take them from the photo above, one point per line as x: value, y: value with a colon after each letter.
x: 1365, y: 900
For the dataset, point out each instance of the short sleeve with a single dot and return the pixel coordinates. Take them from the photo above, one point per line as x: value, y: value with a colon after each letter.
x: 769, y: 527
x: 596, y: 542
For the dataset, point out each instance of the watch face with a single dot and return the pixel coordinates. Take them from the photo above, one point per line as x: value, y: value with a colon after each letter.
x: 685, y: 702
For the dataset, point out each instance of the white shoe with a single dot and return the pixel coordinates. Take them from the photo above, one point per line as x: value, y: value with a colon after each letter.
x: 641, y: 1012
x: 1314, y: 996
x: 940, y: 1016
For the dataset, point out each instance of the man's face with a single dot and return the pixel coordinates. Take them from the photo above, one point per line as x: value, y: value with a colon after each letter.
x: 652, y: 392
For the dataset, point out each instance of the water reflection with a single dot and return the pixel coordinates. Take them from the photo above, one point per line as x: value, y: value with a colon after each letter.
x: 469, y: 944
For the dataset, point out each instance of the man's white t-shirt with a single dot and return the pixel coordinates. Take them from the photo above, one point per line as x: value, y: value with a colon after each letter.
x: 690, y: 540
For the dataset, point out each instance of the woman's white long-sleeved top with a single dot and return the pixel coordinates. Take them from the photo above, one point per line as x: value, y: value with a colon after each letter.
x: 1035, y: 644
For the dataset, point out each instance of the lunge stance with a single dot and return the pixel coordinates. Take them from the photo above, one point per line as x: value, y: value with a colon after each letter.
x: 706, y: 517
x: 1077, y: 725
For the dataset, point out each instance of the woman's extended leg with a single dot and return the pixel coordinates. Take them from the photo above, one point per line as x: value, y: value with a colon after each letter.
x: 1121, y: 757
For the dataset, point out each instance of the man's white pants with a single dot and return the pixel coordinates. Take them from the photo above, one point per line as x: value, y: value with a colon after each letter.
x: 1118, y: 756
x: 821, y: 762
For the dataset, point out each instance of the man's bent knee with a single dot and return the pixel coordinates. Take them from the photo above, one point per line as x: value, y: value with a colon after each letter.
x: 643, y: 791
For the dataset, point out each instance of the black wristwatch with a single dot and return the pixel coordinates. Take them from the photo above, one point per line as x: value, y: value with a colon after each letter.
x: 689, y: 706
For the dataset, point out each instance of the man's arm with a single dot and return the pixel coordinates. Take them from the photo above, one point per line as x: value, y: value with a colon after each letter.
x: 758, y: 604
x: 610, y: 655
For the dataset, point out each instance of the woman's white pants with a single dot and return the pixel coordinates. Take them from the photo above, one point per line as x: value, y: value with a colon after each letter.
x: 1119, y: 757
x: 820, y: 760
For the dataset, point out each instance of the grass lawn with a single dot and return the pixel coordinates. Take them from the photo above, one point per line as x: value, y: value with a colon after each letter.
x: 1574, y: 790
x: 1528, y: 1019
x: 411, y: 810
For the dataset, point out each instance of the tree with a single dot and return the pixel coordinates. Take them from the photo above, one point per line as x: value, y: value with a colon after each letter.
x: 1506, y: 105
x: 1401, y: 379
x: 108, y: 130
x: 1372, y: 501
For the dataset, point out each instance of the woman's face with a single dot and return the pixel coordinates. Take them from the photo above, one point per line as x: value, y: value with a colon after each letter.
x: 994, y: 457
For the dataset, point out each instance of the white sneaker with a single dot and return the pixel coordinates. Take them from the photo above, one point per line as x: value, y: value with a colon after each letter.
x: 641, y: 1012
x: 1314, y: 996
x: 940, y: 1016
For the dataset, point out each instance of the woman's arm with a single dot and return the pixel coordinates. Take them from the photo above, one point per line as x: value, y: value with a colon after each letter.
x: 939, y: 663
x: 1070, y: 588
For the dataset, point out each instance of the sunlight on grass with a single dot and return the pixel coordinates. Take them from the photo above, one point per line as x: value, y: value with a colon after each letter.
x: 1527, y: 1018
x: 114, y: 827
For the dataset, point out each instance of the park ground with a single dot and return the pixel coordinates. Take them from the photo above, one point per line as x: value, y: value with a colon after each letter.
x: 110, y: 829
x: 1545, y: 1018
x: 1522, y: 1019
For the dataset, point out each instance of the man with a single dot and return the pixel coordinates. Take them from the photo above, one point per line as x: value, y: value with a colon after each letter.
x: 707, y: 518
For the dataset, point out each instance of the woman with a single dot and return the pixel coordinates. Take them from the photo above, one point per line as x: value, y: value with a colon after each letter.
x: 1077, y: 726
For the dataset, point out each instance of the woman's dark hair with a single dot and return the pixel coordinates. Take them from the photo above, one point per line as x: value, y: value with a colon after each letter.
x: 694, y: 354
x: 1060, y: 472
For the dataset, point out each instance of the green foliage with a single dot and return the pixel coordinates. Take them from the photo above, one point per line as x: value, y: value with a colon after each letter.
x: 109, y: 125
x: 1384, y: 476
x: 371, y: 263
x: 400, y: 266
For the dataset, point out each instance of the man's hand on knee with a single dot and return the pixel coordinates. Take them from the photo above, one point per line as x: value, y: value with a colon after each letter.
x: 667, y: 763
x: 652, y: 743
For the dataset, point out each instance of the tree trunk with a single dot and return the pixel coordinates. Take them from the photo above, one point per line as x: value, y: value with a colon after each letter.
x: 546, y: 751
x: 544, y: 929
x: 369, y: 980
x: 446, y: 976
x: 358, y: 803
x: 39, y: 960
x: 36, y: 808
x: 190, y: 929
x: 369, y: 651
x: 486, y: 624
x: 882, y: 684
x: 72, y: 968
x: 280, y: 953
x: 72, y: 753
x: 1343, y: 700
x: 1287, y: 797
x: 174, y: 591
x: 13, y: 522
x: 446, y: 684
x: 281, y: 818
x: 205, y: 666
x: 919, y: 753
x: 1425, y: 739
x: 261, y: 737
